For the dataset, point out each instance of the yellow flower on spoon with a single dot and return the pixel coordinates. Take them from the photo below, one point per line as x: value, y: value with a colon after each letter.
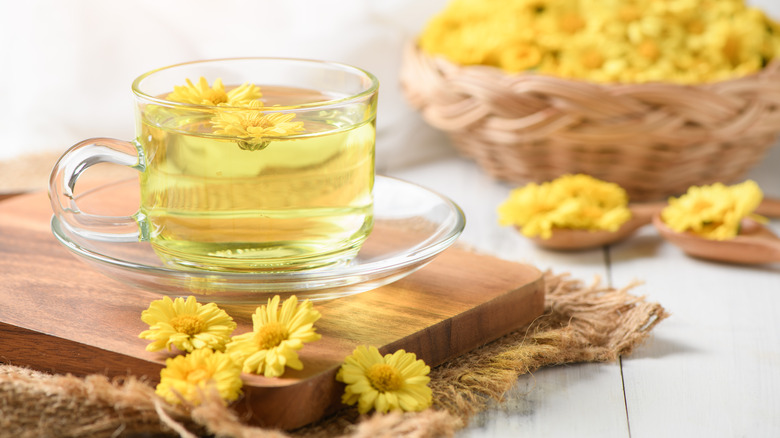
x: 571, y: 201
x: 714, y: 211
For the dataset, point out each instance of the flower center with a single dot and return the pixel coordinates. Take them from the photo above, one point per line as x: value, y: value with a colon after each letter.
x: 187, y: 324
x: 384, y: 377
x: 571, y: 23
x: 731, y: 49
x: 649, y: 50
x: 258, y: 121
x: 271, y: 335
x: 629, y: 13
x: 592, y: 59
x: 701, y: 205
x: 198, y: 375
x: 215, y: 97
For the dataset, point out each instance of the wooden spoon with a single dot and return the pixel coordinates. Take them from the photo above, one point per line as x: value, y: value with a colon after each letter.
x: 572, y: 239
x: 755, y: 244
x: 641, y: 214
x: 769, y: 207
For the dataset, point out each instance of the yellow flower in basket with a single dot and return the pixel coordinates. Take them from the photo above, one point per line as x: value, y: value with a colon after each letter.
x: 630, y: 41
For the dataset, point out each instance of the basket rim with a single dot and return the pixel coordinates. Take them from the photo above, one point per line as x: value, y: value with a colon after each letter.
x: 770, y: 72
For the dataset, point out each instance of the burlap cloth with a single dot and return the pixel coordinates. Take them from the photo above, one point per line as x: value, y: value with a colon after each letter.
x: 581, y: 323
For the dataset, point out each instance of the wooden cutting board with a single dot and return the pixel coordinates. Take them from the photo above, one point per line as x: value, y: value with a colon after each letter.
x: 58, y: 315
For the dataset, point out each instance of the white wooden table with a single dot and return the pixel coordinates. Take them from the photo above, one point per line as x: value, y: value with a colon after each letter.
x: 710, y: 370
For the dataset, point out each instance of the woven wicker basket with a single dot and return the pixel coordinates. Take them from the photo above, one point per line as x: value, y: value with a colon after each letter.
x: 655, y: 140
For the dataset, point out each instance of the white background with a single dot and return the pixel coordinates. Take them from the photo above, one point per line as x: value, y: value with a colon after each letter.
x: 66, y: 66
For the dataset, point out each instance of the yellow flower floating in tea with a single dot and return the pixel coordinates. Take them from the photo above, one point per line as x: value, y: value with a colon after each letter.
x: 203, y: 94
x: 278, y: 334
x: 393, y: 382
x: 254, y: 127
x: 713, y: 211
x: 198, y: 375
x: 680, y: 41
x: 186, y: 325
x: 571, y: 201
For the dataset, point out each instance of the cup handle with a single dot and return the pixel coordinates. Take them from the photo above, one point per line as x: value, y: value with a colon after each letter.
x: 63, y: 181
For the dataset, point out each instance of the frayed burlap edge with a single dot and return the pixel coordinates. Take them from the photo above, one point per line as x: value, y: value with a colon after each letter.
x: 581, y: 323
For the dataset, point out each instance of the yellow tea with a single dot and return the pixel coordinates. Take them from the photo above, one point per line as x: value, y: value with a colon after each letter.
x: 300, y: 201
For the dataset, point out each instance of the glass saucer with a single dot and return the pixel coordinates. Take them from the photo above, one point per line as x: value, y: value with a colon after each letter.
x: 412, y: 226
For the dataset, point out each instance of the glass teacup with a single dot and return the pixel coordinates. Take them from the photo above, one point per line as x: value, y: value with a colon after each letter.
x: 248, y: 164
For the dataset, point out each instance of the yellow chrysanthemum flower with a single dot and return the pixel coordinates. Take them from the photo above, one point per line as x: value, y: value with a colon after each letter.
x: 277, y: 336
x: 395, y: 382
x: 571, y: 201
x: 254, y: 126
x: 186, y: 325
x: 680, y: 41
x: 203, y: 94
x: 714, y: 211
x: 193, y: 377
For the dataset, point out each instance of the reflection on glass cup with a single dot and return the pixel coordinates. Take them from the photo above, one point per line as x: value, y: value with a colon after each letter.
x: 249, y: 164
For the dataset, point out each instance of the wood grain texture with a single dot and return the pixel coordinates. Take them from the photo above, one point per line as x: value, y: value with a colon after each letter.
x: 57, y: 314
x: 7, y: 195
x: 712, y: 369
x: 582, y: 400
